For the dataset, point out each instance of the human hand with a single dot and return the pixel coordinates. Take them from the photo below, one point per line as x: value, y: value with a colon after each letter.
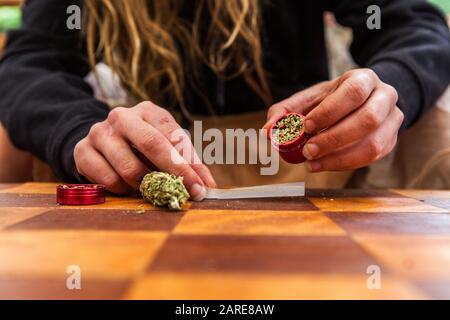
x: 355, y: 120
x: 106, y: 155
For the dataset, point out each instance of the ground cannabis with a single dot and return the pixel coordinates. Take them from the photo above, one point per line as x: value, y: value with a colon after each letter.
x: 288, y: 129
x: 164, y: 189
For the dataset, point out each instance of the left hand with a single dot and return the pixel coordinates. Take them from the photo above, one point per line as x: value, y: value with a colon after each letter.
x: 355, y: 119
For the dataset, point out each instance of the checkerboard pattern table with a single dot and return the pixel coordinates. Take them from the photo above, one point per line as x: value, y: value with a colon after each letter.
x: 317, y: 247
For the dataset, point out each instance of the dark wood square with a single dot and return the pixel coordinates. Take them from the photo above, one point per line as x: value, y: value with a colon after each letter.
x: 21, y: 200
x: 101, y: 219
x: 351, y: 193
x: 265, y: 254
x: 4, y: 186
x: 439, y: 290
x: 273, y: 204
x: 393, y: 223
x: 14, y: 288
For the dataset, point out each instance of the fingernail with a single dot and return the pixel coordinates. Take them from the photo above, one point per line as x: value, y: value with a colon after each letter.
x: 310, y: 151
x: 313, y: 166
x: 310, y: 126
x: 198, y: 192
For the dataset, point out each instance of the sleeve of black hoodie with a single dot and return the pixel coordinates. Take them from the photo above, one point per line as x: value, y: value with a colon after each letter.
x: 45, y: 105
x: 411, y: 51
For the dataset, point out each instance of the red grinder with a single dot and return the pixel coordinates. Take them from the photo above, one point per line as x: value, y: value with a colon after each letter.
x: 80, y: 194
x: 292, y: 151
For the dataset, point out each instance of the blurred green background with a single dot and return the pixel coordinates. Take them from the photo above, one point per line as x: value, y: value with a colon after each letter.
x: 10, y: 18
x: 444, y: 4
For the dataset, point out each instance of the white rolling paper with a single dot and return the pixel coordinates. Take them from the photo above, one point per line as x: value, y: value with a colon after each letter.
x: 296, y: 189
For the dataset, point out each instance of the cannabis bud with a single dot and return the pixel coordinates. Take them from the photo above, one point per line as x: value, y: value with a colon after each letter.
x: 288, y: 137
x: 164, y: 189
x: 288, y: 128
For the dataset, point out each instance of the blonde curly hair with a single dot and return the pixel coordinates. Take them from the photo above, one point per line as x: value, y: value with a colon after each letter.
x: 141, y: 40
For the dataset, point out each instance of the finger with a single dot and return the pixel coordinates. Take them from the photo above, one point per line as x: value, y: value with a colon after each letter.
x: 371, y: 149
x: 354, y: 127
x: 118, y: 153
x: 166, y: 124
x: 157, y: 149
x: 301, y: 102
x: 91, y: 164
x: 182, y: 143
x: 353, y: 91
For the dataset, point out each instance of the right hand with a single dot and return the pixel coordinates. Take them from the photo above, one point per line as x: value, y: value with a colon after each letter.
x: 105, y: 156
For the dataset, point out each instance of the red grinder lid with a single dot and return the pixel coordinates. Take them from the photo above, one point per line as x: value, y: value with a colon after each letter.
x: 80, y: 194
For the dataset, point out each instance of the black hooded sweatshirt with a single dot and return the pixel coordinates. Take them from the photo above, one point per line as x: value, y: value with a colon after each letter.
x: 47, y: 107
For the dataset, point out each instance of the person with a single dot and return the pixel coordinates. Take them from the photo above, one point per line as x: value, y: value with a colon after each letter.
x: 215, y: 58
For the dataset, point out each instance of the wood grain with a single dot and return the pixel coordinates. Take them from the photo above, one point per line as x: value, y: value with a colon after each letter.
x: 317, y: 247
x: 99, y: 254
x: 373, y: 205
x: 55, y: 289
x: 268, y: 254
x: 419, y: 258
x: 269, y: 223
x: 100, y: 219
x: 232, y: 286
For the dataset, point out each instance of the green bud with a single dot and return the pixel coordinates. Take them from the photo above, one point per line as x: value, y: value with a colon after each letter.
x: 164, y: 189
x: 288, y: 129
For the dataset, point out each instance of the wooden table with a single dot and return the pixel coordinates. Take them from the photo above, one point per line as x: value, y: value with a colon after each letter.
x: 320, y: 247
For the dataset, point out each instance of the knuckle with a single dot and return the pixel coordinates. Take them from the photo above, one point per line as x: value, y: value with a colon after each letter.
x: 374, y: 150
x: 154, y: 111
x: 401, y: 120
x: 371, y: 120
x: 116, y: 114
x: 182, y: 171
x: 327, y: 112
x: 151, y: 142
x: 164, y: 113
x: 164, y: 116
x: 401, y: 115
x: 175, y: 133
x: 357, y: 90
x: 348, y: 74
x: 96, y: 129
x: 147, y: 106
x: 391, y: 92
x: 276, y: 109
x: 332, y: 140
x: 81, y: 156
x: 130, y: 171
x: 111, y: 181
x: 273, y: 109
x: 369, y: 74
x: 78, y: 155
x: 365, y: 74
x: 79, y: 149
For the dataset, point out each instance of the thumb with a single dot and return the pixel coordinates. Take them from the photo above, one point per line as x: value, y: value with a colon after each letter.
x: 302, y: 102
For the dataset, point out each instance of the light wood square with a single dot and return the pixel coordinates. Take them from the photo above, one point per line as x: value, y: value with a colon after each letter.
x: 99, y: 254
x: 222, y: 222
